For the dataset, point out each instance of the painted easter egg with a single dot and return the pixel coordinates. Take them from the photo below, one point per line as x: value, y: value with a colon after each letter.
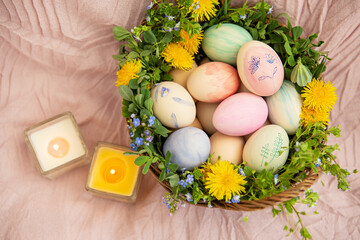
x: 226, y: 147
x: 246, y: 137
x: 173, y: 105
x: 260, y: 68
x: 213, y: 82
x: 240, y: 114
x: 181, y: 76
x: 189, y: 147
x: 261, y: 151
x: 205, y: 112
x: 222, y: 43
x: 285, y: 107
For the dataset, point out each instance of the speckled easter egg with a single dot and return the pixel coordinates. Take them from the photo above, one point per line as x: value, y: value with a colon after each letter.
x: 240, y: 114
x: 260, y: 68
x: 261, y: 151
x: 181, y: 76
x: 213, y: 82
x: 226, y: 147
x: 205, y: 112
x: 285, y: 107
x: 222, y: 43
x: 173, y: 105
x: 189, y: 147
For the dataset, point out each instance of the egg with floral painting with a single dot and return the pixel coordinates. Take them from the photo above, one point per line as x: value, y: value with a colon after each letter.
x: 267, y: 148
x: 260, y: 68
x: 222, y: 42
x: 213, y: 82
x: 173, y: 105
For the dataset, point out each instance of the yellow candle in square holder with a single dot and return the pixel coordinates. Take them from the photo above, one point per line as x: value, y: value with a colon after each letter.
x: 112, y: 174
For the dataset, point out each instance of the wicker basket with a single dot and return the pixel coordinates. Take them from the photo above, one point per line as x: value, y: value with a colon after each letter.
x: 251, y: 205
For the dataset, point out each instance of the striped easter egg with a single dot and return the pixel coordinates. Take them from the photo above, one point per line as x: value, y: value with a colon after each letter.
x: 285, y: 107
x: 222, y: 43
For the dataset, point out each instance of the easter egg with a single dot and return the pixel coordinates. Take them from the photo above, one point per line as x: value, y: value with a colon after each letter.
x: 226, y: 147
x: 213, y: 82
x: 196, y: 123
x: 222, y: 42
x: 204, y: 60
x: 173, y: 105
x: 246, y: 137
x: 260, y: 68
x: 181, y: 76
x: 285, y: 107
x: 189, y: 147
x: 240, y: 114
x: 261, y: 151
x: 205, y: 112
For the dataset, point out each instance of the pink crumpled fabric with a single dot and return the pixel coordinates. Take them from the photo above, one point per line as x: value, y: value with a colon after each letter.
x: 56, y: 57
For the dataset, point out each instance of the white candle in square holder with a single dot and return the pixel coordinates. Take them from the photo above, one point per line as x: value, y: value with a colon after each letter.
x: 57, y: 145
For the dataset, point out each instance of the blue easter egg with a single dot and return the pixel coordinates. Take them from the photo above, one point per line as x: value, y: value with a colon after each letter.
x: 222, y: 43
x: 285, y: 107
x: 189, y: 147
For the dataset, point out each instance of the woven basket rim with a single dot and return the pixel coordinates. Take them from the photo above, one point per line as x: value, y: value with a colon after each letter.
x: 295, y: 190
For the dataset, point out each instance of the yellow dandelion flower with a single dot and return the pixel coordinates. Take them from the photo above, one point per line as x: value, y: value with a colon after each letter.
x: 319, y: 95
x: 224, y: 181
x: 177, y: 56
x: 309, y: 115
x: 204, y: 9
x: 205, y: 169
x: 191, y: 44
x: 128, y: 71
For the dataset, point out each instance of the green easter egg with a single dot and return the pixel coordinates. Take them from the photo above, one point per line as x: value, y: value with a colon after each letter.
x: 222, y: 43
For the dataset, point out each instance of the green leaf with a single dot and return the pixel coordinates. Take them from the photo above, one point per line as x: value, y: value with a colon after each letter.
x: 174, y: 180
x: 254, y: 33
x: 167, y: 38
x: 172, y: 167
x: 120, y: 33
x: 149, y: 37
x: 126, y: 92
x: 145, y: 53
x: 119, y: 57
x: 147, y: 166
x: 139, y: 161
x: 149, y: 104
x: 131, y: 107
x: 304, y: 233
x: 162, y: 175
x: 246, y: 219
x: 133, y: 84
x: 132, y: 55
x: 296, y: 32
x: 161, y: 130
x: 288, y: 48
x: 139, y: 99
x: 291, y: 60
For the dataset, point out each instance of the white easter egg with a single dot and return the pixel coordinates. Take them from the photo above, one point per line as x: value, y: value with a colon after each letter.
x: 285, y: 107
x: 173, y: 105
x: 261, y: 151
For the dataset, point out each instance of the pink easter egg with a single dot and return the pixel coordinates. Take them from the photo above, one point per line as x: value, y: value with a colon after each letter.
x: 213, y: 81
x: 260, y: 68
x: 240, y: 114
